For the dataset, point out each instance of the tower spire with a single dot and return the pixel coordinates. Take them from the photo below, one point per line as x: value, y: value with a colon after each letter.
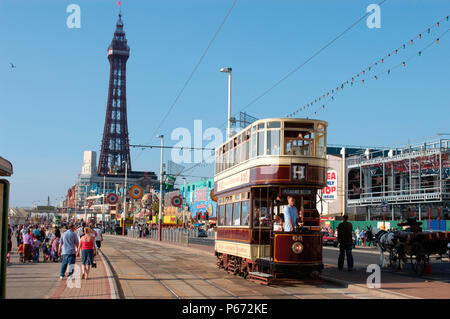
x: 115, y: 151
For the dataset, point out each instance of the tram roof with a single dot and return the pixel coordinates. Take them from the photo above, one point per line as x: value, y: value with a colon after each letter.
x: 285, y: 119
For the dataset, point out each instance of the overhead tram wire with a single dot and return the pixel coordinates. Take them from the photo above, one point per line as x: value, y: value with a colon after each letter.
x: 170, y: 147
x: 193, y: 72
x: 307, y: 60
x: 300, y: 66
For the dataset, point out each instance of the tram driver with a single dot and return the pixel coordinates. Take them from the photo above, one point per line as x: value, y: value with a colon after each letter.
x: 290, y: 215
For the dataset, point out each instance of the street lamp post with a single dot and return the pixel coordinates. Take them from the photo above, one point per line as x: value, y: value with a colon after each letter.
x: 228, y: 70
x: 160, y: 189
x: 124, y: 199
x: 184, y: 202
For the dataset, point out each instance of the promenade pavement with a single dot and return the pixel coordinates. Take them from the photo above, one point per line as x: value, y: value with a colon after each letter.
x: 41, y: 281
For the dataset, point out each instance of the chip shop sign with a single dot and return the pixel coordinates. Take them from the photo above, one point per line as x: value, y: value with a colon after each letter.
x: 330, y: 191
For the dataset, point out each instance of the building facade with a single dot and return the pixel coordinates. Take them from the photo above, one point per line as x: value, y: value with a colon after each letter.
x: 198, y: 198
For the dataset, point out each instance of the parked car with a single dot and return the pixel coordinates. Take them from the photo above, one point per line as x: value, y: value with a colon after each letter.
x: 328, y: 239
x: 202, y: 233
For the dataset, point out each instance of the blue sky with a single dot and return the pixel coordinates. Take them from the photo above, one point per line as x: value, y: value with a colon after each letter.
x: 53, y: 104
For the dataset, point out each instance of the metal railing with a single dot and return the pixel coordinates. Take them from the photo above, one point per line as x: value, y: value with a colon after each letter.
x: 176, y: 235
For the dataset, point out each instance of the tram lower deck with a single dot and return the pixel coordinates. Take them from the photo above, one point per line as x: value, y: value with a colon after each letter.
x: 243, y: 247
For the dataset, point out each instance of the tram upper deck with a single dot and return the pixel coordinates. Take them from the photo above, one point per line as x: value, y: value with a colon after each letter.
x: 276, y: 150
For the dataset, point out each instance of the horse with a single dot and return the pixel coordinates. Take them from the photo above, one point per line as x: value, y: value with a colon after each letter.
x: 385, y: 241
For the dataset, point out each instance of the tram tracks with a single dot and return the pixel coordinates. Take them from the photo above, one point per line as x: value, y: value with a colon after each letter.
x: 183, y: 280
x: 179, y: 275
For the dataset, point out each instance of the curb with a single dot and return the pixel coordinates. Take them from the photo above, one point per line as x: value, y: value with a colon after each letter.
x: 112, y: 284
x: 332, y: 280
x: 375, y: 252
x: 363, y: 289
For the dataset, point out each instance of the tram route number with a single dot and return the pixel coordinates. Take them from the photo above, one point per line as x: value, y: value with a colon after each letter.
x: 247, y: 308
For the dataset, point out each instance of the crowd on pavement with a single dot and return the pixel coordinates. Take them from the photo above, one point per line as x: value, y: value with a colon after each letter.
x: 57, y: 244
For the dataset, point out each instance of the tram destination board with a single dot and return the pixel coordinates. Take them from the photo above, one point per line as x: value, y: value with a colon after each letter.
x: 295, y: 191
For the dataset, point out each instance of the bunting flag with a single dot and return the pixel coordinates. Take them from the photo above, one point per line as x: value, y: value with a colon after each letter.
x: 381, y: 61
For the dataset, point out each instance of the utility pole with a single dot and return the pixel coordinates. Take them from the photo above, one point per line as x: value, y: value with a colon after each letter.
x: 124, y: 199
x: 103, y: 202
x: 160, y: 190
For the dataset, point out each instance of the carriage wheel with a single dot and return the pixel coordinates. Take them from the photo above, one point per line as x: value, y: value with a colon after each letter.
x: 418, y: 259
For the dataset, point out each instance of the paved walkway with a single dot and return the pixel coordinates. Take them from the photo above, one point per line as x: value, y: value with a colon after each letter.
x: 41, y: 280
x: 399, y: 283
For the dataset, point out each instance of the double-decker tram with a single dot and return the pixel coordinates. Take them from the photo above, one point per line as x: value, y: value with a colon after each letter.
x: 256, y: 170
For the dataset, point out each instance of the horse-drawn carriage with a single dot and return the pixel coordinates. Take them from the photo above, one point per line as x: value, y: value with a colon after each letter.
x: 411, y: 245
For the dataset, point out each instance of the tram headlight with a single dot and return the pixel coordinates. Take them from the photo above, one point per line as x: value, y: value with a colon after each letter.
x: 297, y: 247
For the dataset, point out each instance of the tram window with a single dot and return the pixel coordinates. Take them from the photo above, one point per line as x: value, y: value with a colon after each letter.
x: 261, y: 142
x: 260, y: 213
x: 228, y: 214
x: 320, y: 146
x: 254, y: 140
x: 245, y: 210
x: 273, y: 142
x: 274, y: 125
x: 247, y: 151
x: 299, y: 142
x: 221, y: 215
x: 236, y: 213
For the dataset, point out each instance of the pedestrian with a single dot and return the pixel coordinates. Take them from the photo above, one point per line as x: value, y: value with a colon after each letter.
x: 67, y: 249
x: 36, y: 232
x: 362, y: 234
x: 23, y: 232
x: 18, y: 237
x: 55, y: 248
x: 88, y: 251
x: 28, y: 246
x: 20, y: 251
x: 344, y: 231
x: 8, y: 255
x: 46, y: 249
x: 358, y: 236
x: 80, y: 230
x: 98, y: 237
x: 36, y: 248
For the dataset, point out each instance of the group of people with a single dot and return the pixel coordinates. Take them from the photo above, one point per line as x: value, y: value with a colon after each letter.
x: 32, y: 240
x: 57, y: 245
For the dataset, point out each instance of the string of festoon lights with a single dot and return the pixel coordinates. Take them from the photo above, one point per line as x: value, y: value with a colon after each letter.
x: 367, y: 74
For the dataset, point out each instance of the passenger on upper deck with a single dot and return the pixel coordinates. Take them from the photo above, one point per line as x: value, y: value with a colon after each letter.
x: 290, y: 215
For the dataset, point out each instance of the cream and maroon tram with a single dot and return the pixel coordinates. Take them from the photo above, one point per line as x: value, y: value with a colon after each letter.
x: 255, y: 171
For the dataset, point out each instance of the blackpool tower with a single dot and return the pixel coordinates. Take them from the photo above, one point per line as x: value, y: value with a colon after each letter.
x: 115, y: 150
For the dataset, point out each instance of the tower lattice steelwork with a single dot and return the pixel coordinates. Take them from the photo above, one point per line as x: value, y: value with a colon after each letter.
x: 115, y: 145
